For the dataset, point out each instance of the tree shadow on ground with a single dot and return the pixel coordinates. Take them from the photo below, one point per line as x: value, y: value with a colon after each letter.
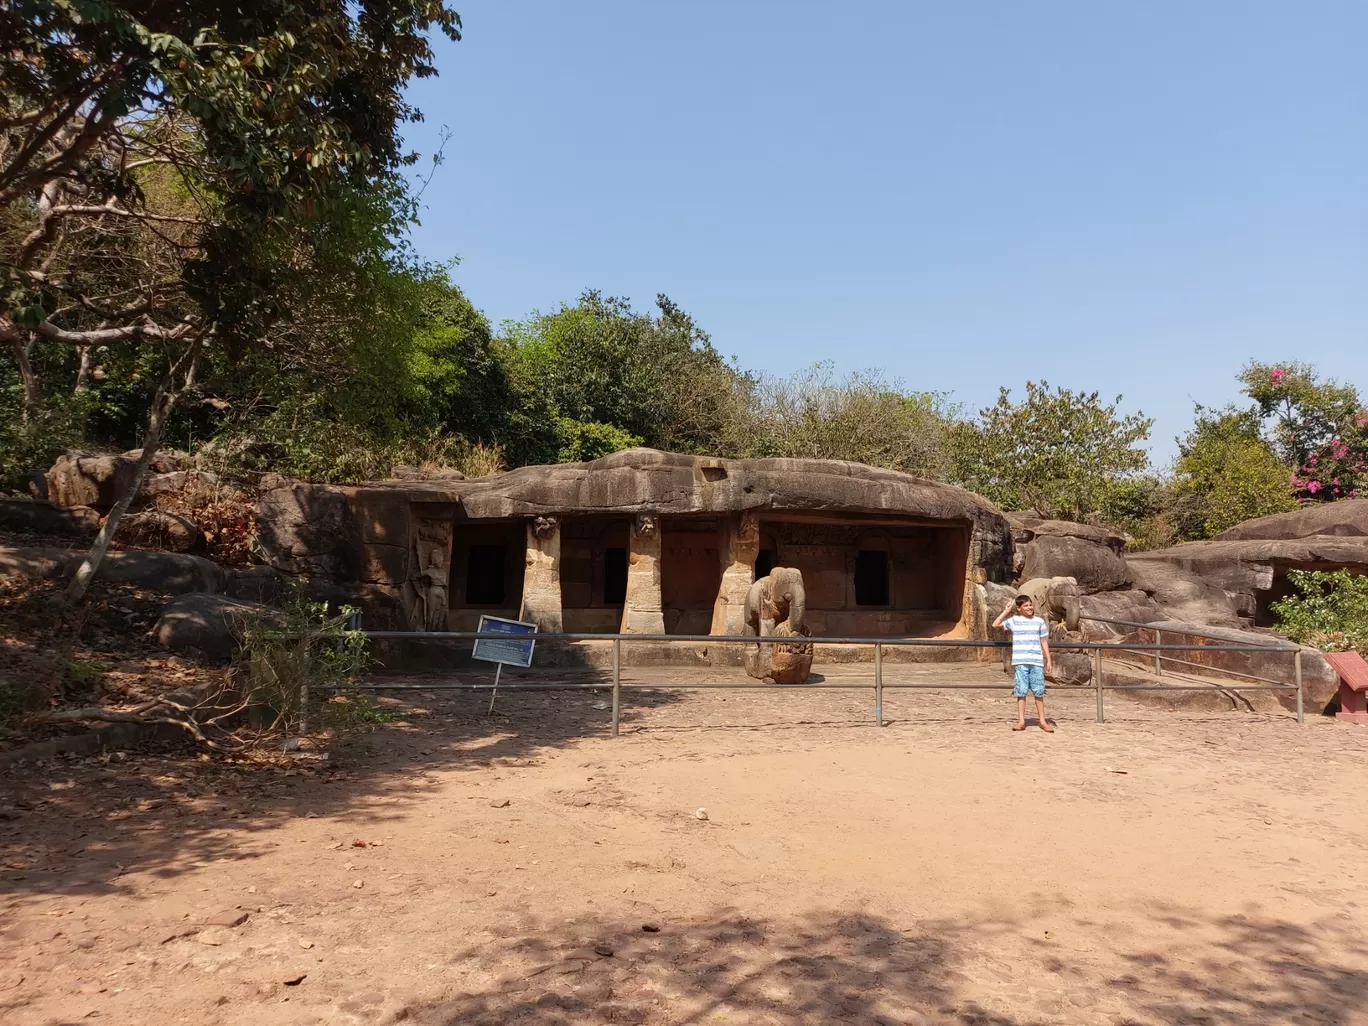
x: 76, y: 825
x: 863, y: 968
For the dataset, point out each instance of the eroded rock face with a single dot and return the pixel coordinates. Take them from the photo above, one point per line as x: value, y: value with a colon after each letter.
x: 1347, y: 518
x: 1057, y: 548
x: 1181, y: 593
x: 171, y: 572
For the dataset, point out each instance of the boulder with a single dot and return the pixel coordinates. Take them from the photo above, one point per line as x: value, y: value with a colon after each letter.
x: 1071, y: 667
x: 173, y: 573
x: 309, y: 530
x: 159, y: 529
x: 211, y: 624
x: 34, y: 517
x: 37, y: 563
x: 1056, y: 599
x: 1058, y: 548
x: 255, y: 584
x: 35, y: 483
x: 1095, y: 567
x: 99, y: 481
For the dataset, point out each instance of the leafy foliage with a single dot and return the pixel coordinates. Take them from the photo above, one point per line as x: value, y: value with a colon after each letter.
x: 1319, y: 427
x: 1227, y: 473
x: 861, y: 417
x: 1330, y: 610
x: 1059, y: 453
x: 291, y: 658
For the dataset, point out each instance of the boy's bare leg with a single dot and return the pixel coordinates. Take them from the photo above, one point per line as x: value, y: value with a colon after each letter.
x: 1040, y: 711
x: 1020, y: 724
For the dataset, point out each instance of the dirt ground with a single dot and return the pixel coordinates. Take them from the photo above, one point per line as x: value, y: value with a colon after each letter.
x: 451, y: 869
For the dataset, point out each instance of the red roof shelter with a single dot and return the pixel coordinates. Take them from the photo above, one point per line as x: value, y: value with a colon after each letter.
x: 1353, y: 691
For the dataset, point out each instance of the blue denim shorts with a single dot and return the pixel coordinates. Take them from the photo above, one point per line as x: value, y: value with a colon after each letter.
x: 1028, y: 678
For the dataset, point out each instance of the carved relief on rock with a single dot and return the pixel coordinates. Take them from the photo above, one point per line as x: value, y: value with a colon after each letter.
x: 427, y: 588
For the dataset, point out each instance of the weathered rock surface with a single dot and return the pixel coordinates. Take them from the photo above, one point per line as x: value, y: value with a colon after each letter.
x: 1071, y: 667
x: 359, y: 533
x: 159, y: 529
x: 1319, y: 679
x: 1129, y: 604
x: 1182, y: 593
x: 1057, y: 548
x: 1347, y: 518
x: 35, y: 562
x: 98, y: 481
x: 211, y: 624
x: 31, y: 515
x: 170, y: 572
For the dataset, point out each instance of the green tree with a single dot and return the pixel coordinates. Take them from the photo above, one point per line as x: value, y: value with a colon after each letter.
x: 249, y: 116
x: 1058, y: 453
x: 657, y: 379
x: 861, y: 417
x: 1226, y: 473
x: 1319, y: 427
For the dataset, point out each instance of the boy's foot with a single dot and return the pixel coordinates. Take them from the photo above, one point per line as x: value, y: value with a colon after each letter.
x: 1018, y: 726
x: 1046, y: 727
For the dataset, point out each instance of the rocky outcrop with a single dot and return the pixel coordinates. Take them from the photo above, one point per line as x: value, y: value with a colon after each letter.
x: 1181, y: 593
x: 360, y: 532
x: 30, y: 516
x: 1058, y: 548
x: 172, y: 573
x: 98, y: 481
x: 1347, y: 518
x: 158, y: 529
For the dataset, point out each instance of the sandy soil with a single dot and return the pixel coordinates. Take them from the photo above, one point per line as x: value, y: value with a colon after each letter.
x: 1159, y: 868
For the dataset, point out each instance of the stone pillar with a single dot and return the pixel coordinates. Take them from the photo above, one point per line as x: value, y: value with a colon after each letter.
x: 739, y: 546
x: 541, y: 575
x: 642, y: 611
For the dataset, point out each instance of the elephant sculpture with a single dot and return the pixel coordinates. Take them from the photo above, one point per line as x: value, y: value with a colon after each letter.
x: 1056, y: 599
x: 775, y: 607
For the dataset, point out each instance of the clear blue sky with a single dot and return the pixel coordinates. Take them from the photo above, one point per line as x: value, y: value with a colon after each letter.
x: 1135, y: 198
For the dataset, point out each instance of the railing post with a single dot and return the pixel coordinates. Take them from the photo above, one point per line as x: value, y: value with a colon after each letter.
x: 617, y: 681
x: 1158, y: 663
x: 1097, y: 682
x: 878, y: 685
x: 1297, y: 672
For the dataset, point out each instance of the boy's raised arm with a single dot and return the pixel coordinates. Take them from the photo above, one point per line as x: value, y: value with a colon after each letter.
x: 1006, y: 612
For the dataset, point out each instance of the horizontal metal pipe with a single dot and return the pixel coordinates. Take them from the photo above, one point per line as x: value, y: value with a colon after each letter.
x: 711, y: 639
x: 797, y: 687
x: 1168, y: 629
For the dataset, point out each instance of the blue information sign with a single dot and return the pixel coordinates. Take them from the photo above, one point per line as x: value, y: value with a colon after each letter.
x: 516, y: 650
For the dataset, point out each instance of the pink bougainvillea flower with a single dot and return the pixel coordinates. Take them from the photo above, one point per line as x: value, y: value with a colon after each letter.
x: 1313, y: 487
x: 1276, y: 375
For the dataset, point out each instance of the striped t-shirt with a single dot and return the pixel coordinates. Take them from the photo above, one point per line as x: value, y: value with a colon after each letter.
x: 1026, y: 634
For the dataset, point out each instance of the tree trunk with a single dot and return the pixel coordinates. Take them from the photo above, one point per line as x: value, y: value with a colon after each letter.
x: 162, y: 404
x: 33, y: 391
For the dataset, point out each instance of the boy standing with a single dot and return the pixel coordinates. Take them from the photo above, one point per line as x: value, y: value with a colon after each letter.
x: 1030, y: 656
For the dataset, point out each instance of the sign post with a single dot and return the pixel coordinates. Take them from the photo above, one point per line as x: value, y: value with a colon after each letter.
x: 514, y: 650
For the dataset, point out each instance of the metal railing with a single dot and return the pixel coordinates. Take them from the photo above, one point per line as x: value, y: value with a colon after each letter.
x: 878, y: 684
